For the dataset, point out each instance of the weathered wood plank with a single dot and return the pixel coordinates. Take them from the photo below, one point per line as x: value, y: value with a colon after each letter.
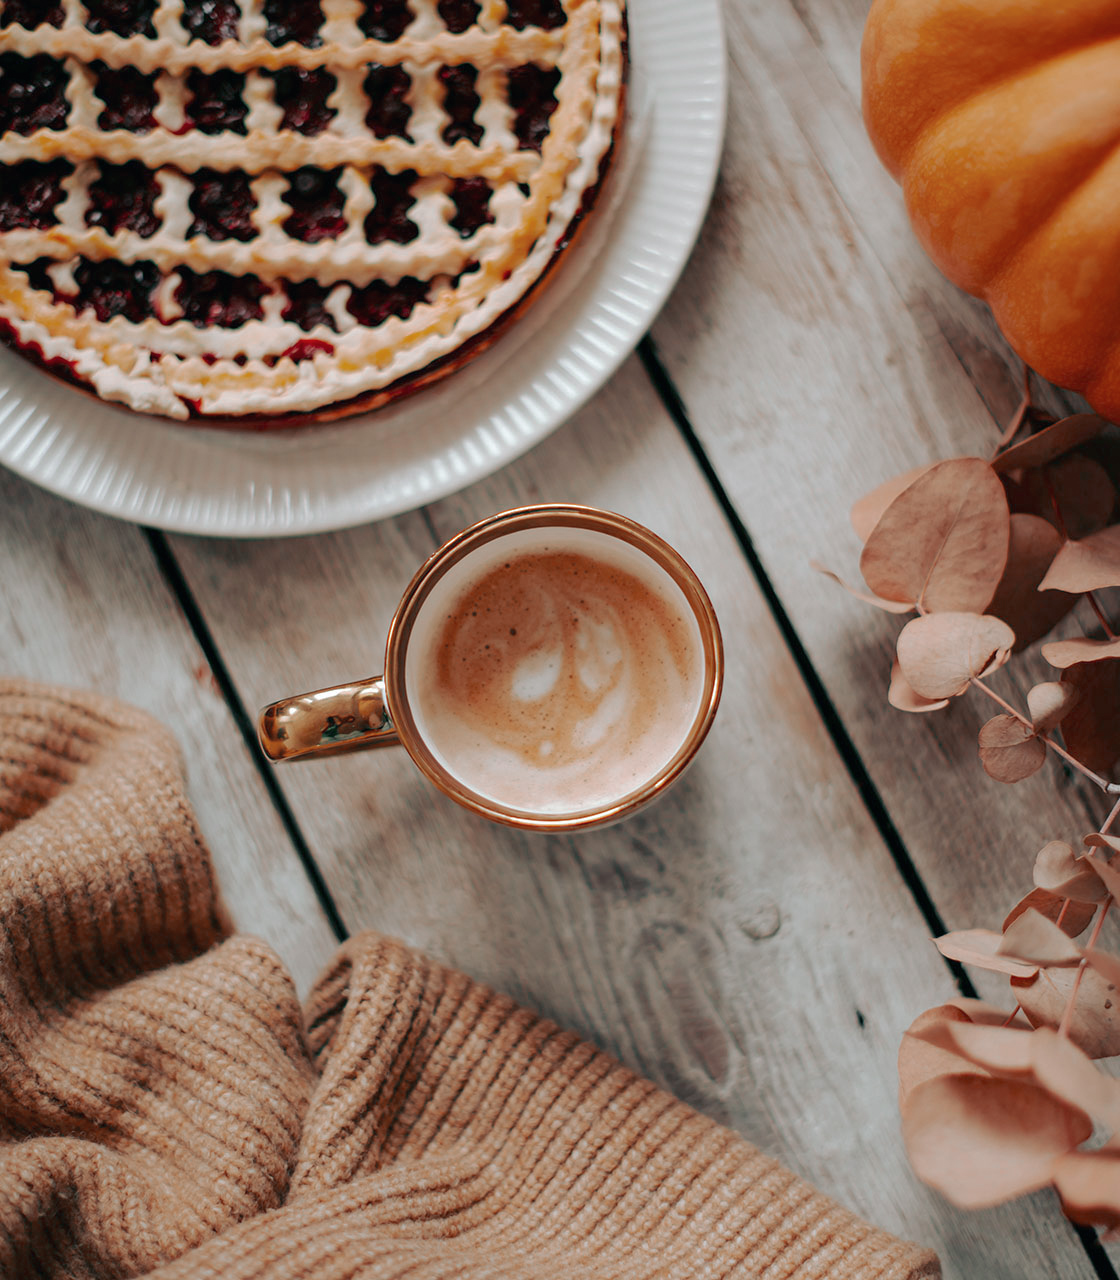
x: 807, y: 388
x: 82, y: 603
x: 832, y: 356
x: 747, y: 942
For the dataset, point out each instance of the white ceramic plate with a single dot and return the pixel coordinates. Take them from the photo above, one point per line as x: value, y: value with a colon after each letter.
x: 605, y: 295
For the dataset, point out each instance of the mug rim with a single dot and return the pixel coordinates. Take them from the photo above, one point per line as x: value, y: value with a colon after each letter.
x: 535, y: 516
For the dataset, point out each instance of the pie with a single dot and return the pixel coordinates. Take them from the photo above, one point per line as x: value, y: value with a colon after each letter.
x: 290, y: 207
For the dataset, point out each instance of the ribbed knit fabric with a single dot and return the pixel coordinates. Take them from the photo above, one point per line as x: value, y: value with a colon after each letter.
x: 167, y: 1110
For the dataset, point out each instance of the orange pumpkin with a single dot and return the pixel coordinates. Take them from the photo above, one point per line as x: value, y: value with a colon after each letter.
x: 1001, y: 119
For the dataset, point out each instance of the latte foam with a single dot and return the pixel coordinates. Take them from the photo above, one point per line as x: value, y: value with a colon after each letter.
x: 559, y: 676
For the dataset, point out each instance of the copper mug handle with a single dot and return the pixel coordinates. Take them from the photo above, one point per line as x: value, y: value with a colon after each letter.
x: 325, y: 722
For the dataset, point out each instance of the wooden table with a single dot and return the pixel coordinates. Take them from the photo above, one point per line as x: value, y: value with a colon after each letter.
x: 759, y: 941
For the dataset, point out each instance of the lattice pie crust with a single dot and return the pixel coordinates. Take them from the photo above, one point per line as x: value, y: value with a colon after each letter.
x: 265, y: 207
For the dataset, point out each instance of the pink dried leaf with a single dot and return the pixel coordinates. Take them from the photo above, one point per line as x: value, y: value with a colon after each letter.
x: 1106, y: 964
x: 1009, y: 750
x: 981, y: 1141
x: 866, y: 513
x: 941, y: 652
x: 1087, y: 565
x: 1081, y: 490
x: 1074, y: 916
x: 943, y: 541
x: 1048, y: 704
x: 1050, y: 443
x: 981, y: 948
x: 901, y: 696
x: 920, y: 1060
x: 1064, y: 653
x: 1088, y: 1183
x: 1108, y: 872
x: 891, y: 606
x: 1095, y: 1024
x: 1059, y: 871
x: 1040, y: 1057
x: 1101, y: 840
x: 1091, y: 730
x: 1032, y: 546
x: 1035, y: 940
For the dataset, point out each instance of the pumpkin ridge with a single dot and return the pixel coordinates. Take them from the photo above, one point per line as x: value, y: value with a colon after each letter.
x: 890, y: 17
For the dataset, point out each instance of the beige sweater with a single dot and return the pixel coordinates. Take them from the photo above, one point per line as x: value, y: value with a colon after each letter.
x: 167, y: 1110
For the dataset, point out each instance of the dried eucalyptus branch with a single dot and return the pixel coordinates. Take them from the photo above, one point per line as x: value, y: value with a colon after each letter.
x: 989, y: 556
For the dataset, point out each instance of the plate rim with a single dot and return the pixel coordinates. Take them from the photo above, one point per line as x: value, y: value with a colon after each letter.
x: 25, y: 447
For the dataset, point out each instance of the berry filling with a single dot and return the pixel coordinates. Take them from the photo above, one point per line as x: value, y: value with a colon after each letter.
x: 114, y: 288
x: 532, y: 95
x: 129, y: 96
x: 316, y: 203
x: 458, y: 14
x: 546, y: 14
x: 297, y: 20
x: 217, y: 298
x: 123, y: 195
x: 305, y: 349
x: 307, y: 304
x: 374, y: 304
x: 122, y: 17
x: 471, y: 198
x: 29, y: 192
x: 389, y: 220
x: 302, y: 96
x: 32, y: 93
x: 31, y: 13
x: 216, y: 105
x: 223, y: 205
x: 460, y: 103
x: 385, y: 19
x: 389, y: 110
x: 211, y: 21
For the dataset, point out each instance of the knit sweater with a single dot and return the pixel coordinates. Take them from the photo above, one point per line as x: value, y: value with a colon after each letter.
x: 167, y: 1110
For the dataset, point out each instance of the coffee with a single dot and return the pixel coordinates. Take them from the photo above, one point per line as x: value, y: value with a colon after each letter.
x: 559, y: 671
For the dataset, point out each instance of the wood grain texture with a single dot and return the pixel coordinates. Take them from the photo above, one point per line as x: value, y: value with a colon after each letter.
x: 813, y: 384
x: 818, y: 352
x: 82, y: 603
x: 747, y: 942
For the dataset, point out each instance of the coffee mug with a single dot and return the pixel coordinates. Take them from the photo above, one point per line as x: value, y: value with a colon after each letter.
x: 553, y: 668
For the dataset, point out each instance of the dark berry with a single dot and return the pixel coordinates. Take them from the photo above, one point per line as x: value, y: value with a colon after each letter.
x: 114, y: 288
x: 216, y: 105
x: 129, y: 96
x: 32, y: 93
x: 392, y: 195
x: 302, y: 96
x: 123, y: 195
x: 535, y: 13
x: 122, y: 17
x: 306, y: 348
x: 307, y: 304
x: 217, y: 298
x: 32, y: 13
x: 471, y: 198
x: 37, y: 276
x: 316, y: 203
x: 532, y: 95
x: 374, y: 304
x: 458, y: 14
x: 211, y: 20
x: 460, y: 103
x: 223, y: 205
x: 385, y: 19
x: 294, y: 20
x: 387, y: 89
x: 29, y: 192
